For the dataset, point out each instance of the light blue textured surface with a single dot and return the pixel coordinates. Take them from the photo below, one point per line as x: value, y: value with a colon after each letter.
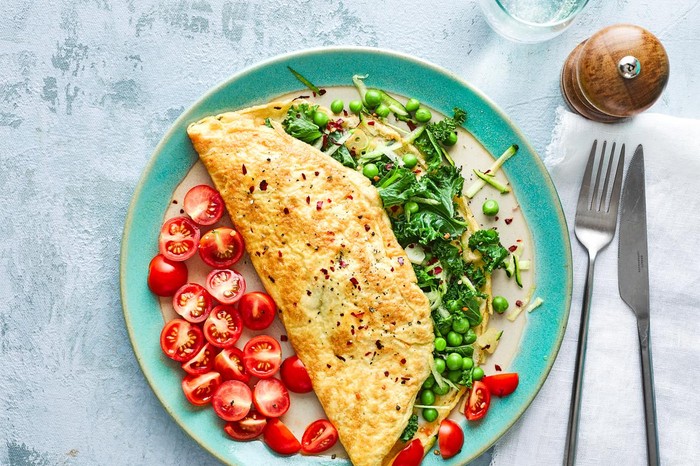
x: 88, y: 87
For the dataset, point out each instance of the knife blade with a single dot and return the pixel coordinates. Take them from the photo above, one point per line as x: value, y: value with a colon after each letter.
x: 633, y: 283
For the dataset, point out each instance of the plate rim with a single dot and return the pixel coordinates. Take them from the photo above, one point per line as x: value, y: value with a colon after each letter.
x: 285, y: 57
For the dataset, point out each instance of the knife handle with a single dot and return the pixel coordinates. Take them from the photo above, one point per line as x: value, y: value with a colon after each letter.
x: 649, y: 399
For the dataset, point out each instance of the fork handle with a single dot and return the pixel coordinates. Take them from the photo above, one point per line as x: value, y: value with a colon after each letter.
x: 577, y: 391
x: 649, y: 400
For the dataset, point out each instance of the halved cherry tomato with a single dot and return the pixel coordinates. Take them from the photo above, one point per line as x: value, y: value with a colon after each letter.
x: 318, y: 437
x: 271, y: 397
x: 202, y: 362
x: 227, y: 286
x: 279, y: 438
x: 199, y: 389
x: 229, y: 363
x: 502, y: 384
x: 262, y: 356
x: 178, y: 239
x: 257, y: 309
x: 247, y: 428
x: 204, y: 204
x: 232, y: 400
x: 411, y: 455
x: 295, y: 376
x: 221, y: 247
x: 180, y: 340
x: 223, y: 327
x: 450, y: 438
x: 478, y: 402
x: 192, y: 302
x: 166, y: 276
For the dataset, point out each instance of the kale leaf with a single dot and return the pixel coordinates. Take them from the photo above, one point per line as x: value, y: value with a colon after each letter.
x: 492, y: 252
x: 442, y: 129
x: 341, y: 154
x: 465, y: 300
x: 425, y: 226
x: 450, y: 258
x: 426, y: 281
x: 410, y: 429
x: 299, y: 123
x: 432, y: 153
x: 396, y: 186
x: 442, y: 320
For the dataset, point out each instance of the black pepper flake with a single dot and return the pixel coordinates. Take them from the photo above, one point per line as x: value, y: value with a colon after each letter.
x: 498, y: 368
x: 263, y: 185
x: 308, y: 200
x: 174, y: 201
x: 403, y: 360
x: 340, y: 357
x: 508, y: 221
x: 244, y: 170
x: 286, y: 211
x: 283, y: 338
x: 386, y: 373
x: 308, y: 292
x: 303, y: 176
x: 316, y: 173
x: 328, y: 366
x: 182, y: 211
x: 398, y: 408
x: 379, y: 344
x: 349, y: 343
x: 366, y: 227
x: 271, y: 279
x: 334, y: 456
x: 519, y: 303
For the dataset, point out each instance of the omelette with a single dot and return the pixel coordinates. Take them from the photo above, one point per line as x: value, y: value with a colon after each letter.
x: 322, y: 244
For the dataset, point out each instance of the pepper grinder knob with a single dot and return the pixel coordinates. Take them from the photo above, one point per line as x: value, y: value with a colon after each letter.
x: 618, y: 72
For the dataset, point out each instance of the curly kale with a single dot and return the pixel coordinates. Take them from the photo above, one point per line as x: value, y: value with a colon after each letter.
x: 441, y: 130
x: 488, y: 244
x: 299, y: 123
x: 410, y: 429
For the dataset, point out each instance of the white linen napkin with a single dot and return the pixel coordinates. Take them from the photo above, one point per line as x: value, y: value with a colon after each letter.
x: 611, y: 430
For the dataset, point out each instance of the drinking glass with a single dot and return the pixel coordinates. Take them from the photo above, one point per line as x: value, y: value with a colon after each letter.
x: 530, y: 20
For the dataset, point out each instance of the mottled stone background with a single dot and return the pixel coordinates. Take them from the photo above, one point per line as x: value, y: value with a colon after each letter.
x: 88, y: 87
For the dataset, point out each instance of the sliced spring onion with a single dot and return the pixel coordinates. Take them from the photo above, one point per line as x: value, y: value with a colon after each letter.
x: 305, y: 81
x: 438, y: 378
x: 339, y: 142
x: 491, y: 180
x: 413, y: 135
x: 465, y: 280
x: 524, y: 265
x: 478, y: 184
x: 537, y: 302
x: 394, y: 105
x: 360, y: 85
x: 415, y: 253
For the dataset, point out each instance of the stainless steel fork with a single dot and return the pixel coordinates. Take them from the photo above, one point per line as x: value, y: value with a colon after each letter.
x: 596, y: 218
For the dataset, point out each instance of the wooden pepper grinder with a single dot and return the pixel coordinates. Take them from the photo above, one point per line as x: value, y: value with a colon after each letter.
x: 618, y: 72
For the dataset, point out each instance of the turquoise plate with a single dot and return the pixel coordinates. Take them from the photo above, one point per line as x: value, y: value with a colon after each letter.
x: 398, y: 73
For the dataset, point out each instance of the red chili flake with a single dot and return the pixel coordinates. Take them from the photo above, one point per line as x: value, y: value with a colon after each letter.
x: 368, y: 353
x: 386, y: 373
x: 389, y: 166
x: 244, y: 169
x: 400, y: 259
x: 437, y: 270
x: 394, y: 208
x: 508, y: 221
x: 251, y: 189
x: 411, y: 125
x: 283, y: 338
x: 512, y: 248
x: 496, y: 218
x: 354, y: 282
x: 337, y: 324
x: 349, y: 196
x: 432, y: 261
x: 332, y: 269
x: 308, y: 199
x: 358, y: 396
x: 325, y: 140
x: 303, y: 176
x: 286, y: 211
x: 518, y: 241
x: 342, y: 264
x: 352, y: 330
x: 319, y: 204
x: 174, y: 201
x: 263, y: 185
x: 328, y: 366
x: 498, y: 368
x: 316, y: 173
x: 367, y: 227
x: 321, y: 91
x: 371, y: 123
x: 345, y: 112
x: 328, y: 201
x: 403, y: 361
x: 357, y: 315
x: 349, y: 343
x: 279, y: 253
x: 519, y: 303
x: 392, y: 269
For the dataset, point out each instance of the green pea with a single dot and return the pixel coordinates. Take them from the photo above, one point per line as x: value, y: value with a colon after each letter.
x: 440, y: 365
x: 373, y: 98
x: 455, y: 376
x: 444, y: 390
x: 470, y: 337
x: 454, y: 361
x: 370, y: 170
x: 477, y: 373
x: 382, y: 111
x: 410, y: 160
x: 490, y: 207
x: 451, y: 139
x: 411, y: 207
x: 454, y: 338
x: 423, y: 115
x: 321, y: 119
x: 460, y: 325
x: 412, y: 105
x: 429, y: 382
x: 500, y: 304
x: 337, y: 106
x: 440, y: 344
x: 355, y: 106
x: 467, y: 363
x: 427, y: 397
x: 430, y: 414
x: 453, y: 305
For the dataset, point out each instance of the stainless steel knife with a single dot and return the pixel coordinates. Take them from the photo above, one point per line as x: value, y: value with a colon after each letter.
x: 633, y: 282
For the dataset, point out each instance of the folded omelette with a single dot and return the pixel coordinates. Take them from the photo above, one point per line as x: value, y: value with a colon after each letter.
x: 323, y: 246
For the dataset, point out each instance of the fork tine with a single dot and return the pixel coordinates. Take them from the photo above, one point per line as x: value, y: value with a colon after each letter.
x: 603, y: 205
x: 584, y: 193
x: 617, y: 185
x: 595, y: 201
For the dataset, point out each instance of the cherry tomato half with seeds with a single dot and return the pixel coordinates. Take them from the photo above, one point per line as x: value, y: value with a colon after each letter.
x: 318, y: 437
x: 450, y: 438
x: 271, y: 397
x: 232, y: 400
x: 223, y: 327
x: 192, y: 302
x: 257, y: 309
x: 221, y: 247
x: 165, y: 277
x: 229, y: 363
x: 295, y: 376
x: 178, y: 239
x: 279, y: 438
x: 248, y: 428
x: 226, y: 286
x: 180, y: 340
x: 478, y: 401
x: 202, y: 362
x: 411, y: 455
x: 199, y: 389
x: 204, y: 204
x: 502, y: 384
x: 262, y: 356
